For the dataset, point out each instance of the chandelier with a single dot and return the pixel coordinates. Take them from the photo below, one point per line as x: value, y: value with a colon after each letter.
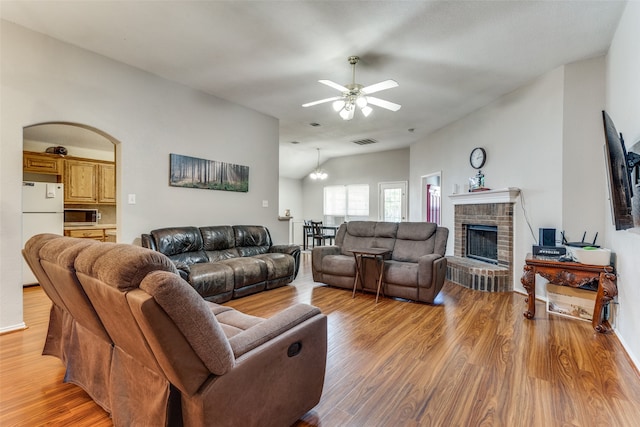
x: 318, y: 173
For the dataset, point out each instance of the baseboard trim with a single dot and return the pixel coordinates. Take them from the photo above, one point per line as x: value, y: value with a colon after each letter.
x: 19, y: 327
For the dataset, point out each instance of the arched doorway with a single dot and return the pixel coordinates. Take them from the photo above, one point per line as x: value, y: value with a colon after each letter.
x: 87, y: 164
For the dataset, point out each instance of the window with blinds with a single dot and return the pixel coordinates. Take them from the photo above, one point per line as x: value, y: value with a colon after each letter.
x: 346, y: 203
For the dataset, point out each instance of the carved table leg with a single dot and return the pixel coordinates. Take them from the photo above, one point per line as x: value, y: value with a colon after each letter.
x: 528, y: 280
x: 607, y: 290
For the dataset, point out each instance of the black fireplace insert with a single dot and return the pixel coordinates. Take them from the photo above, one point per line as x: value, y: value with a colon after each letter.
x: 482, y: 243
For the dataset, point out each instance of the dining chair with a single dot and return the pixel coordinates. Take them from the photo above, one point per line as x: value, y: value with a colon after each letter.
x: 319, y: 235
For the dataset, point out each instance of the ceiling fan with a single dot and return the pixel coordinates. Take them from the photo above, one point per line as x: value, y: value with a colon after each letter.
x: 355, y: 95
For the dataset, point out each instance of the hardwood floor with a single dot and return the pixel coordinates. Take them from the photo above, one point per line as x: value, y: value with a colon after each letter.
x: 470, y: 360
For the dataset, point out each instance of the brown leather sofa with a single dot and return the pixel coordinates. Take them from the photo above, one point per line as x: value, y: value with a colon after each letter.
x: 224, y: 262
x: 415, y: 269
x: 148, y: 349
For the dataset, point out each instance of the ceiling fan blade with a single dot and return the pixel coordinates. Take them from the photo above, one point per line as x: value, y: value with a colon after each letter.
x: 322, y: 101
x: 387, y: 84
x: 334, y: 85
x: 384, y: 104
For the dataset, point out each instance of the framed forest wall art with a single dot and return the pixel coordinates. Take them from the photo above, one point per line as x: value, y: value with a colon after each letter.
x: 192, y: 172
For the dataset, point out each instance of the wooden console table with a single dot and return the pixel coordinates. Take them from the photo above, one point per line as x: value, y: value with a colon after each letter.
x: 571, y: 274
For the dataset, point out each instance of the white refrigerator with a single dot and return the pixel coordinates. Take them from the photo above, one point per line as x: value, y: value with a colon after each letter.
x: 42, y: 212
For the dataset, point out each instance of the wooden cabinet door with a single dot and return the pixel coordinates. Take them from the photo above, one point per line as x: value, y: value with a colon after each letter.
x: 41, y: 163
x: 80, y: 181
x: 106, y: 183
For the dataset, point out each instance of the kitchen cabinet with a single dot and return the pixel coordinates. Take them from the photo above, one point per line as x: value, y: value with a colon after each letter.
x: 107, y: 183
x: 89, y: 182
x: 86, y: 181
x: 80, y: 181
x: 50, y: 164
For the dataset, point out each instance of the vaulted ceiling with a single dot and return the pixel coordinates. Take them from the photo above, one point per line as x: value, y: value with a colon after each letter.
x: 449, y: 57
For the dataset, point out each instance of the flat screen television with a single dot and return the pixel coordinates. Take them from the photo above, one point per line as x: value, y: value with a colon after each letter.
x: 622, y: 176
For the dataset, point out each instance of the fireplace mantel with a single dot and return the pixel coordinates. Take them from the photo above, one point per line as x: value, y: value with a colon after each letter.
x: 502, y: 195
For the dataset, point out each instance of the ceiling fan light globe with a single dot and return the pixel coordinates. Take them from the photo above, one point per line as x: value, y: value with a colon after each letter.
x: 338, y: 105
x: 361, y: 101
x: 366, y: 110
x: 345, y: 114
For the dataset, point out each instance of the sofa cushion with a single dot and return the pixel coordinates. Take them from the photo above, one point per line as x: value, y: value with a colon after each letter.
x: 180, y: 244
x: 279, y: 266
x: 385, y: 235
x: 340, y: 265
x: 212, y: 279
x: 252, y: 239
x: 401, y: 273
x: 416, y: 230
x: 360, y: 234
x: 413, y: 240
x: 246, y: 270
x: 194, y: 319
x: 219, y: 242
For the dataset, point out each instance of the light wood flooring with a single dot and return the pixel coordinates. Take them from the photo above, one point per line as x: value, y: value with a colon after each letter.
x: 471, y: 359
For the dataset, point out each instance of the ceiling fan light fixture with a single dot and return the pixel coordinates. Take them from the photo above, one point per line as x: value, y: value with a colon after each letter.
x: 354, y: 94
x: 338, y: 105
x: 366, y: 110
x: 346, y: 114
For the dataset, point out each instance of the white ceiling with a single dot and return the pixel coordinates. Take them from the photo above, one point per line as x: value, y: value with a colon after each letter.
x: 449, y: 57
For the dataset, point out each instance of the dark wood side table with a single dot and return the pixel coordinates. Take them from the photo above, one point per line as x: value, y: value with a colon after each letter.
x: 379, y: 255
x: 571, y: 274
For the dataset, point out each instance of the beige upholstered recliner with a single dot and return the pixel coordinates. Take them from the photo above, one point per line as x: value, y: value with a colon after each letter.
x: 175, y: 358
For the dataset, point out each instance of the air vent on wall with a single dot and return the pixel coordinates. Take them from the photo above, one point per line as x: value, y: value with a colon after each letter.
x: 365, y: 141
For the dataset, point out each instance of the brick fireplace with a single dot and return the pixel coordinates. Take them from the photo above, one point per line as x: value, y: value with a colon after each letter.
x: 485, y: 211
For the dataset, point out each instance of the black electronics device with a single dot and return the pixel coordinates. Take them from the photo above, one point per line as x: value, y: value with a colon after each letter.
x: 550, y: 251
x: 547, y: 236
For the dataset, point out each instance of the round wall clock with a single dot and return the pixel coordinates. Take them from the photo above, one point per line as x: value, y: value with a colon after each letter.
x: 478, y: 157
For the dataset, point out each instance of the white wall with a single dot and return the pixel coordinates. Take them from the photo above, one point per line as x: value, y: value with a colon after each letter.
x: 291, y: 198
x: 584, y: 179
x: 373, y: 168
x: 623, y: 105
x: 45, y: 80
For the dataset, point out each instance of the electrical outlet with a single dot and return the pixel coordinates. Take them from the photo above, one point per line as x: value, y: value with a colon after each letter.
x: 265, y: 203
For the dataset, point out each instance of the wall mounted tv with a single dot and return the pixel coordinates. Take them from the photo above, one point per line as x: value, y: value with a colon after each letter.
x: 624, y: 177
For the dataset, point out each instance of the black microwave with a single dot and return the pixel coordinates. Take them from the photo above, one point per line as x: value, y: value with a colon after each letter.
x: 80, y: 216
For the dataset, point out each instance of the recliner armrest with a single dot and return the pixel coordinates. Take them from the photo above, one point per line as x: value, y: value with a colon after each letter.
x: 293, y: 250
x: 272, y: 327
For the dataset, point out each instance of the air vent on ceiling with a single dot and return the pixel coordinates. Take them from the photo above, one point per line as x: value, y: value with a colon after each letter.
x: 365, y: 141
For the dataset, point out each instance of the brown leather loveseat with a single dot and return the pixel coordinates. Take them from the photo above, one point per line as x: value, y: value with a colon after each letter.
x: 148, y: 349
x: 224, y: 262
x: 415, y: 269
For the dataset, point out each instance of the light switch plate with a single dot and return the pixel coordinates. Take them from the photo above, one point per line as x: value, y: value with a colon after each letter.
x: 265, y: 203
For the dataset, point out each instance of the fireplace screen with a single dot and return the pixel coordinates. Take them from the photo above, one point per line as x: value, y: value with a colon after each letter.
x: 482, y: 243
